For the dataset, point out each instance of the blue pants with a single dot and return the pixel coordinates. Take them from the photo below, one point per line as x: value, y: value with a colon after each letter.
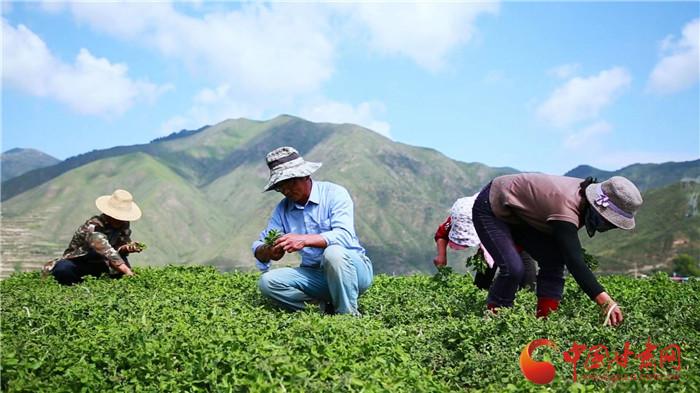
x: 499, y: 238
x: 72, y: 271
x: 341, y: 278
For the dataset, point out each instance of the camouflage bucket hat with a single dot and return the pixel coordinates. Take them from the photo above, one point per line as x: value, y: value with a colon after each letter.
x: 286, y: 163
x: 616, y: 199
x: 119, y: 205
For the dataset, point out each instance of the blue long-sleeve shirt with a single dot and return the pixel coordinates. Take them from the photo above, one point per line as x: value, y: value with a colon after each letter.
x: 328, y: 212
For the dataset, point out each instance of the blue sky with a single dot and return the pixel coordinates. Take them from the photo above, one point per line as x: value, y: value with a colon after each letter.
x: 534, y: 86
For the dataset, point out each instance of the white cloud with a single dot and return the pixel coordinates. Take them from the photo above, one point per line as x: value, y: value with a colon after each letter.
x: 364, y: 114
x: 210, y: 106
x: 286, y: 48
x: 565, y: 70
x: 280, y: 47
x: 679, y: 68
x: 582, y: 99
x: 27, y: 62
x: 266, y: 56
x: 424, y: 32
x: 127, y: 20
x: 91, y: 85
x: 263, y: 49
x: 588, y: 135
x: 213, y: 105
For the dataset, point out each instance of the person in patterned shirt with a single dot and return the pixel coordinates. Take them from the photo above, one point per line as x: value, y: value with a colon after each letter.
x: 458, y: 233
x: 101, y: 245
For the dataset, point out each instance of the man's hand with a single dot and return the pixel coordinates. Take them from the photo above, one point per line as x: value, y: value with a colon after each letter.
x: 291, y: 242
x: 123, y: 268
x: 276, y: 253
x: 265, y: 253
x: 129, y: 248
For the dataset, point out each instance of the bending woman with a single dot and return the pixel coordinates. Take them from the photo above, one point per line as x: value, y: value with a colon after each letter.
x: 458, y: 233
x: 543, y: 214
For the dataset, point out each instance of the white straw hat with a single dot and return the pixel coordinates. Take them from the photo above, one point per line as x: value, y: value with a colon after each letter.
x: 119, y: 205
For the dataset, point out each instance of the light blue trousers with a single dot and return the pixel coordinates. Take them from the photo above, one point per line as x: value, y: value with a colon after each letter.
x: 342, y: 277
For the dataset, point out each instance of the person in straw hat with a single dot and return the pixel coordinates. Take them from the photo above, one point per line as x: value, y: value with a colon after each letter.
x: 543, y: 213
x: 102, y: 244
x: 317, y: 221
x: 457, y: 232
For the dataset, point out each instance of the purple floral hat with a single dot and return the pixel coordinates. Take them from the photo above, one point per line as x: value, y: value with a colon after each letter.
x: 616, y: 199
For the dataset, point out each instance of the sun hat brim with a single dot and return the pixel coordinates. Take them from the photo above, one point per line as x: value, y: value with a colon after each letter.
x: 609, y: 214
x: 282, y: 173
x: 133, y: 213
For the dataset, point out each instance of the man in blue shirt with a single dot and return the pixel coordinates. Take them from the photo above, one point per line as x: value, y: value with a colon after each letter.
x: 317, y: 221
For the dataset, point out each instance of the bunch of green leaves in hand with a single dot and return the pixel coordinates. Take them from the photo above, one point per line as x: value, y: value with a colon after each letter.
x: 140, y: 246
x: 443, y: 274
x: 272, y: 236
x: 477, y: 262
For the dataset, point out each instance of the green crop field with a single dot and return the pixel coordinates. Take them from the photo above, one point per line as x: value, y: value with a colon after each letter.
x: 195, y: 329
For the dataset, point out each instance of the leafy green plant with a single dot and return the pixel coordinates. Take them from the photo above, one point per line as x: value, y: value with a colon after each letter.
x: 272, y: 237
x: 686, y: 265
x: 477, y: 262
x: 197, y: 330
x: 141, y: 246
x: 443, y: 274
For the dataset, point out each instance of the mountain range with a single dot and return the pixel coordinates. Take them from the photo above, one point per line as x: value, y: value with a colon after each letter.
x: 202, y: 197
x: 201, y: 194
x: 645, y: 176
x: 18, y: 161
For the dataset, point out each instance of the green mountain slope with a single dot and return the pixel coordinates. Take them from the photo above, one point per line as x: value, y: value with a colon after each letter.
x: 401, y: 193
x: 645, y: 176
x: 202, y: 200
x: 16, y: 162
x: 668, y: 224
x: 201, y: 196
x: 178, y: 225
x: 200, y: 156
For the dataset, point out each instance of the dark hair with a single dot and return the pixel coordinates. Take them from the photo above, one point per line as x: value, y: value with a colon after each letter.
x: 583, y: 185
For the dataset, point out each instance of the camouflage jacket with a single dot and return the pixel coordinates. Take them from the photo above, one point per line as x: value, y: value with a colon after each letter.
x: 97, y: 235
